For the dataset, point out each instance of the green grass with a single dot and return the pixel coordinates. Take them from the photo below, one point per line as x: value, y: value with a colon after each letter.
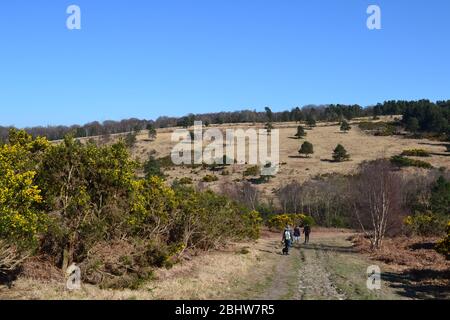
x: 293, y: 277
x: 348, y: 273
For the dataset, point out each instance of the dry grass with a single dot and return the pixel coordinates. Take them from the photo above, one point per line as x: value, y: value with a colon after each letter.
x: 325, y: 137
x: 227, y: 274
x: 219, y: 275
x: 360, y: 145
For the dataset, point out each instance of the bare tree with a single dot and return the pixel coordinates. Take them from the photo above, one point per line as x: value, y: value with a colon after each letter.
x: 376, y: 199
x: 243, y: 193
x: 290, y: 197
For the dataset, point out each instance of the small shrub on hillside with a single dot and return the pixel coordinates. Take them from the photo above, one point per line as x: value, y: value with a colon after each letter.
x: 185, y: 180
x: 416, y: 153
x: 244, y: 250
x: 165, y: 162
x: 387, y: 131
x: 251, y: 171
x: 261, y: 179
x: 378, y: 128
x: 182, y: 182
x: 210, y: 178
x: 401, y: 161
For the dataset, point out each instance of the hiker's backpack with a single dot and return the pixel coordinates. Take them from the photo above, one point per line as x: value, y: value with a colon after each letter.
x: 287, y: 235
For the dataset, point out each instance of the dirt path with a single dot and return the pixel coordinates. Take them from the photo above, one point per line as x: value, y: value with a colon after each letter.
x: 301, y: 275
x: 314, y: 279
x: 327, y: 268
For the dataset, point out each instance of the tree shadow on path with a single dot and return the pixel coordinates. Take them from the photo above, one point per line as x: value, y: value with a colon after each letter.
x: 420, y: 284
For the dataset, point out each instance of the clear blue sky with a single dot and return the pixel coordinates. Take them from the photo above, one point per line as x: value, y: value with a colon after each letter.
x: 146, y: 58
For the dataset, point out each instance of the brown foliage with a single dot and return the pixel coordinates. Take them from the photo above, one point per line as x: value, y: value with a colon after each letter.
x: 116, y: 264
x: 10, y: 258
x: 406, y: 252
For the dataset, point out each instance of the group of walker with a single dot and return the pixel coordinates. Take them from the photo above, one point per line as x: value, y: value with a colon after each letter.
x: 294, y: 236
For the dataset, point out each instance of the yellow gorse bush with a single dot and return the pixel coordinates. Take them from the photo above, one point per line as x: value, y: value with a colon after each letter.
x: 93, y: 195
x: 20, y: 221
x: 427, y: 223
x: 282, y: 220
x: 153, y: 199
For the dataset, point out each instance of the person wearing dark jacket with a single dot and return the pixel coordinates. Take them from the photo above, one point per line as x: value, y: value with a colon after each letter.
x: 297, y: 233
x: 307, y: 231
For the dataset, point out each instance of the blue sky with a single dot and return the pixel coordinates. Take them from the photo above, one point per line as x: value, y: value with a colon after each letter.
x: 146, y: 58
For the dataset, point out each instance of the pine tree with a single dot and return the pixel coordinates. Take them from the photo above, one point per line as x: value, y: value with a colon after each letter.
x: 345, y: 126
x: 269, y: 115
x: 412, y: 125
x: 152, y: 167
x: 151, y: 132
x: 131, y: 139
x: 269, y: 127
x: 340, y: 154
x: 310, y: 121
x: 306, y: 149
x: 300, y: 132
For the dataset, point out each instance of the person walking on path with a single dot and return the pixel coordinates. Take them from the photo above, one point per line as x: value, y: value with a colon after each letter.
x: 307, y: 231
x: 287, y: 238
x: 297, y: 234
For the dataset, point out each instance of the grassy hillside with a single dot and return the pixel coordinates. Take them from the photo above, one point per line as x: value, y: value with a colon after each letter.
x: 361, y: 145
